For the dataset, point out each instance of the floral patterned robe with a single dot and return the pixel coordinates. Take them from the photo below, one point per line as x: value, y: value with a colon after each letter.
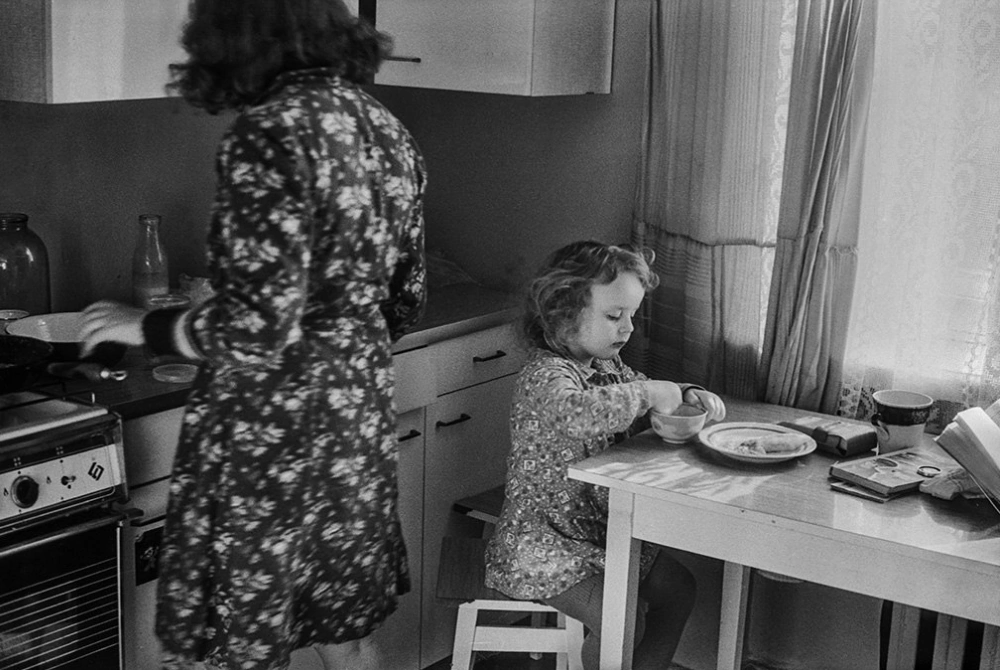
x: 282, y: 529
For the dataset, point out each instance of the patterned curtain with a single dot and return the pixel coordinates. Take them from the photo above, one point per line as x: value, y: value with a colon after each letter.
x: 926, y: 312
x: 815, y: 261
x: 709, y: 192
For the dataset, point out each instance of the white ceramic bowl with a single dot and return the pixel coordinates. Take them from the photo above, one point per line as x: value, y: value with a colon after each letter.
x: 679, y: 426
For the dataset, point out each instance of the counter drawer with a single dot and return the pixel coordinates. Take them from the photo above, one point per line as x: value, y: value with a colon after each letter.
x: 476, y: 358
x: 150, y: 444
x: 414, y: 373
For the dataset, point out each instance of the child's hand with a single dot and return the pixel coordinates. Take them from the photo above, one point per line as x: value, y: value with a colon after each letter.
x: 708, y: 401
x: 664, y: 397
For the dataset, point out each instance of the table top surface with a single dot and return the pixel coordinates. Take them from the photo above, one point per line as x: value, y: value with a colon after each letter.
x: 795, y: 492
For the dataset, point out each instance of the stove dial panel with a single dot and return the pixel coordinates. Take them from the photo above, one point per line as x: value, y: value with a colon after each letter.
x: 38, y: 486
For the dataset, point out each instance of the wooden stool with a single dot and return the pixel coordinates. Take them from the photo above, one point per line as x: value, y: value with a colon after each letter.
x: 462, y: 577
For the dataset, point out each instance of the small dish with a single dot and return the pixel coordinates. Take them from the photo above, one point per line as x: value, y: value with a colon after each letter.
x: 734, y: 441
x: 175, y: 373
x: 679, y: 426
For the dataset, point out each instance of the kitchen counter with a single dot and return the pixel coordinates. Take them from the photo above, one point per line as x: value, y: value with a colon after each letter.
x: 452, y: 311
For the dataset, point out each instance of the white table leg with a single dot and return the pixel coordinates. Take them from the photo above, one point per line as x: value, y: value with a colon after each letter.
x: 621, y: 581
x: 903, y: 637
x: 733, y: 619
x: 990, y: 657
x: 949, y: 642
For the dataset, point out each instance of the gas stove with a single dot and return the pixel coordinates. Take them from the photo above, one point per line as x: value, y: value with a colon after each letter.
x: 57, y: 454
x: 61, y: 473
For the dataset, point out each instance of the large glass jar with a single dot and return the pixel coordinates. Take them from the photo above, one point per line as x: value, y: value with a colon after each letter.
x: 24, y: 267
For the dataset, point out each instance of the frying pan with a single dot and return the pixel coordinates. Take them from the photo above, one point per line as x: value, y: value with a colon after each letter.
x: 62, y: 331
x: 22, y: 359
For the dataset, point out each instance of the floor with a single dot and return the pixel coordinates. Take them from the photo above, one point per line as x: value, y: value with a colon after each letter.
x: 498, y: 661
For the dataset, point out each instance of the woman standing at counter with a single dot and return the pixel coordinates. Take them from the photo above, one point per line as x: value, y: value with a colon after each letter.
x: 282, y: 529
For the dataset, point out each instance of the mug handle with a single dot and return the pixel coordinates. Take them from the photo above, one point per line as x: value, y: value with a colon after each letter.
x: 882, y: 433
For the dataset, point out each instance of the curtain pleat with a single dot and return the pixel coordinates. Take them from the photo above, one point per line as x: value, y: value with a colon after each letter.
x: 815, y: 264
x: 708, y: 198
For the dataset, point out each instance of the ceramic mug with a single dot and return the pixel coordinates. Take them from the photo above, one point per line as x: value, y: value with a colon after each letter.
x: 900, y: 418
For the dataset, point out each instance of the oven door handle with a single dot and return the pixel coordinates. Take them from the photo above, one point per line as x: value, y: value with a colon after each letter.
x: 62, y: 533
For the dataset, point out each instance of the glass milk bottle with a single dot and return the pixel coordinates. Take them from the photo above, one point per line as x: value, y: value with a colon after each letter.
x: 24, y: 268
x: 149, y: 262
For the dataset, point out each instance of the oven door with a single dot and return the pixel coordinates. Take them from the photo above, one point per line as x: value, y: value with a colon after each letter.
x: 60, y: 593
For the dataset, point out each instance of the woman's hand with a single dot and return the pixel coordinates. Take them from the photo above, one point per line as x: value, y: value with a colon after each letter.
x: 708, y: 401
x: 110, y: 321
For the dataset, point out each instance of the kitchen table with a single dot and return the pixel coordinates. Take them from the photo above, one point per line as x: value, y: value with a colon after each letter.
x: 917, y: 550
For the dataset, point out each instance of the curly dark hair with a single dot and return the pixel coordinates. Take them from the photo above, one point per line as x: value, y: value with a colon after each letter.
x: 236, y: 48
x: 561, y: 289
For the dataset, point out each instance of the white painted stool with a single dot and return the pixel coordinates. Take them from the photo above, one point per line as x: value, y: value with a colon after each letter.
x: 461, y: 577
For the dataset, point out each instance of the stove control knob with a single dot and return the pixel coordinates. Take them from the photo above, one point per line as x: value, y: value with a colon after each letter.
x: 24, y: 491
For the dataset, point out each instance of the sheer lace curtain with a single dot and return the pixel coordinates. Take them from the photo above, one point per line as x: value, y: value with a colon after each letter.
x: 926, y: 308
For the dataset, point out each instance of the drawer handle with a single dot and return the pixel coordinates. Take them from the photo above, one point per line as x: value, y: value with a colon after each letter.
x: 460, y: 419
x: 483, y: 359
x: 405, y: 59
x: 409, y: 436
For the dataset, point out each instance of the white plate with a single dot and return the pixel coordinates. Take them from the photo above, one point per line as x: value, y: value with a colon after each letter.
x: 718, y: 436
x: 58, y: 327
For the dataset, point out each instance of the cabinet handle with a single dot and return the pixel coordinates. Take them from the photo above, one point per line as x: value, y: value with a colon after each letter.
x: 483, y: 359
x: 460, y: 419
x: 405, y: 59
x: 409, y: 436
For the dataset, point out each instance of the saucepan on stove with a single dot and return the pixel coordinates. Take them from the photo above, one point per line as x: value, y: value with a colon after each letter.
x: 62, y: 331
x: 22, y: 360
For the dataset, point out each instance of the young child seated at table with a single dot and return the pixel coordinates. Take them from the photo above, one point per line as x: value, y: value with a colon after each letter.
x: 575, y: 398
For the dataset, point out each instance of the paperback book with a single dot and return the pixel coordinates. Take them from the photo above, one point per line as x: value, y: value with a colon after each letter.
x: 895, y: 473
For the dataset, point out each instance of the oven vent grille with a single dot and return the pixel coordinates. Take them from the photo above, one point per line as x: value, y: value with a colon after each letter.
x: 65, y: 622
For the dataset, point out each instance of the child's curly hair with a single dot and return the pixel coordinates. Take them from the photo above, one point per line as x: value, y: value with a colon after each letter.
x: 561, y: 289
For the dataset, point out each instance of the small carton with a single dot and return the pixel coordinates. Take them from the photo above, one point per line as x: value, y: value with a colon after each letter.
x: 836, y: 436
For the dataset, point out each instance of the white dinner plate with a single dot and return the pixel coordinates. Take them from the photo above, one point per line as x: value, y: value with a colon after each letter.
x: 722, y: 437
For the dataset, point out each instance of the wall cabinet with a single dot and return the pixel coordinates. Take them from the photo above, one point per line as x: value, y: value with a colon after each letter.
x: 514, y: 47
x: 88, y: 50
x: 59, y: 51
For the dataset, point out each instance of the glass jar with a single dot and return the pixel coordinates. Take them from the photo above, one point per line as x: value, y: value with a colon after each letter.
x: 149, y: 262
x: 24, y: 267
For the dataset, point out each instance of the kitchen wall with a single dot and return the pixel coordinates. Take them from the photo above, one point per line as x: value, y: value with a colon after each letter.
x: 510, y: 178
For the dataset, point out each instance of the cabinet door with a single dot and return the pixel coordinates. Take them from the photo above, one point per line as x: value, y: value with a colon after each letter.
x: 514, y: 47
x: 88, y: 50
x: 468, y: 439
x: 396, y: 645
x: 469, y: 45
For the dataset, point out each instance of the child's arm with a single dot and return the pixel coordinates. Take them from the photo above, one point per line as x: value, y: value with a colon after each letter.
x: 562, y: 405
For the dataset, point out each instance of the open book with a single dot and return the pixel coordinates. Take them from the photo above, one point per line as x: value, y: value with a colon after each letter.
x: 973, y: 439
